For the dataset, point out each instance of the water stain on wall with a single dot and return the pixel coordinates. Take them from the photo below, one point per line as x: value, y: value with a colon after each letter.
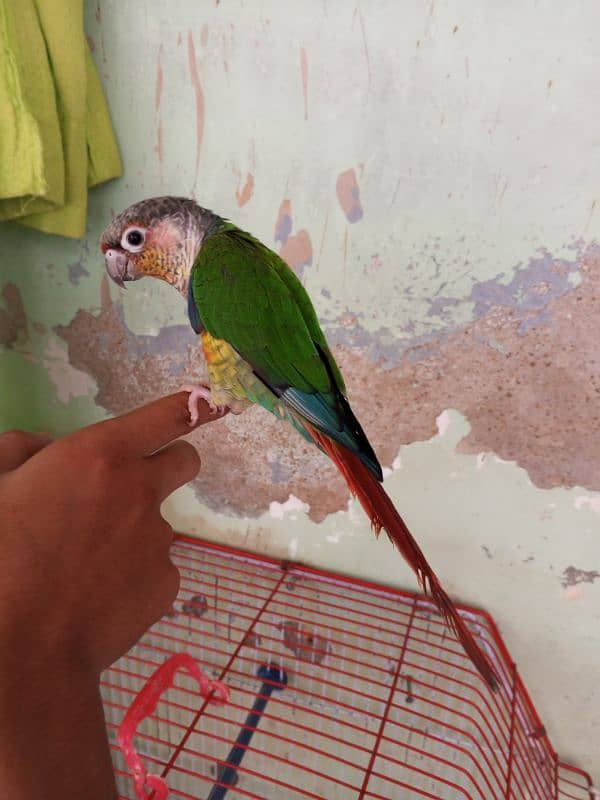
x: 158, y: 91
x: 204, y: 35
x: 304, y: 73
x: 358, y: 12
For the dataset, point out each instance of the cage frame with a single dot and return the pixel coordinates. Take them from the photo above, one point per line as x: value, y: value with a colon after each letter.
x: 564, y: 781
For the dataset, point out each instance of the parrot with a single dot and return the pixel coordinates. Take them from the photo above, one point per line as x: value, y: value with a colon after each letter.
x: 263, y: 344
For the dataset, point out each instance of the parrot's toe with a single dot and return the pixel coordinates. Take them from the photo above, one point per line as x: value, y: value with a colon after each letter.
x: 200, y: 392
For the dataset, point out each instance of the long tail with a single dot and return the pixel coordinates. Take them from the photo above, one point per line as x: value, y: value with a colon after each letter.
x: 382, y: 513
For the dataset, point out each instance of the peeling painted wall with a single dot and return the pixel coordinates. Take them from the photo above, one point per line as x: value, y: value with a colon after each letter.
x: 429, y: 172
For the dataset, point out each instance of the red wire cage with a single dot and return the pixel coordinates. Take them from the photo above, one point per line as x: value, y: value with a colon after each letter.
x: 338, y: 689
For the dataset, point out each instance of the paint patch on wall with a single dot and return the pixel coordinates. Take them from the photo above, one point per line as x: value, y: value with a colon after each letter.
x: 529, y: 291
x: 583, y: 501
x: 348, y: 194
x: 76, y: 272
x: 13, y: 320
x: 572, y: 576
x: 244, y: 194
x: 68, y: 381
x: 236, y: 478
x: 284, y: 223
x: 291, y: 505
x: 199, y: 98
x: 531, y: 400
x: 443, y: 422
x: 297, y: 252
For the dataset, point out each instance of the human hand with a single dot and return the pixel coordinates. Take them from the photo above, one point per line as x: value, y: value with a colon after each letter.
x: 17, y: 446
x: 84, y: 562
x: 84, y: 571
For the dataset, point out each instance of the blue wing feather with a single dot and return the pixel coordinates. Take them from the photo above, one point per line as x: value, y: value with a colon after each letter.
x: 332, y: 415
x: 193, y: 312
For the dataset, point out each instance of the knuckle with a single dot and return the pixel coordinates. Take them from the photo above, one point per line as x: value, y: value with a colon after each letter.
x: 166, y: 589
x: 101, y: 469
x: 195, y: 460
x: 189, y: 451
x: 190, y: 463
x: 92, y: 443
x: 172, y: 581
x: 164, y: 533
x: 187, y: 457
x: 166, y: 536
x: 16, y: 438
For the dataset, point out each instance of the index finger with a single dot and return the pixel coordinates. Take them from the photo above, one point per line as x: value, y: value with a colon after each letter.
x: 147, y: 429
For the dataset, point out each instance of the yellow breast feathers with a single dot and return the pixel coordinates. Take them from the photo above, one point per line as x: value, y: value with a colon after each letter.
x: 232, y: 381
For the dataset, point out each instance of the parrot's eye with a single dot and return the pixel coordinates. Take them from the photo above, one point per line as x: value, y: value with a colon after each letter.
x: 133, y: 239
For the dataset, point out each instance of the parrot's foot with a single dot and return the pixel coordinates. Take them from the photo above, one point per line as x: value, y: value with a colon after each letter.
x: 199, y: 392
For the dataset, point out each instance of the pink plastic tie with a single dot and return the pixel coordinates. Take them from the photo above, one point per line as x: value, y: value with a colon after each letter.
x: 144, y: 705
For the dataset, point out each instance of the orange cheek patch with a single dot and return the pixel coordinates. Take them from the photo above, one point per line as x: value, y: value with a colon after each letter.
x: 154, y: 262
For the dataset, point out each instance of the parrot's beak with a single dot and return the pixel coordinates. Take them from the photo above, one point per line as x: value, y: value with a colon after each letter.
x: 119, y: 267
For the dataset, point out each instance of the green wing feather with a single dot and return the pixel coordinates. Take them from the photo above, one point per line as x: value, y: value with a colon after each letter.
x: 248, y: 296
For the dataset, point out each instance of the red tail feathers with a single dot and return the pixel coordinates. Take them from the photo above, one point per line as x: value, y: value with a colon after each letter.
x: 382, y: 513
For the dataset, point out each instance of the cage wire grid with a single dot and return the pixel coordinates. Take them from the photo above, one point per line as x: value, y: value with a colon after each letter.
x: 380, y: 701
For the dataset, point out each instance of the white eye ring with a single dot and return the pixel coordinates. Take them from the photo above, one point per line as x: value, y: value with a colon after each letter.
x: 133, y: 239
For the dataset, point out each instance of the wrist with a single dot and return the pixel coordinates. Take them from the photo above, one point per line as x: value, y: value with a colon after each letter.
x: 51, y: 716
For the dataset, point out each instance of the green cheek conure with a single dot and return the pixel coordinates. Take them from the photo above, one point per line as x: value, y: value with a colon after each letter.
x: 263, y: 344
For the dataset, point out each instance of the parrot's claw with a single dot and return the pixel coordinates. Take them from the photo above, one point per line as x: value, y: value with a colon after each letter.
x: 199, y: 392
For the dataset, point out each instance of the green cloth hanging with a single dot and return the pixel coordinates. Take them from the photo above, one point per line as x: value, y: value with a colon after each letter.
x: 56, y: 137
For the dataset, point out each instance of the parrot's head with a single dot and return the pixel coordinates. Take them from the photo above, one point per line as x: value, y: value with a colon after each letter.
x: 159, y: 237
